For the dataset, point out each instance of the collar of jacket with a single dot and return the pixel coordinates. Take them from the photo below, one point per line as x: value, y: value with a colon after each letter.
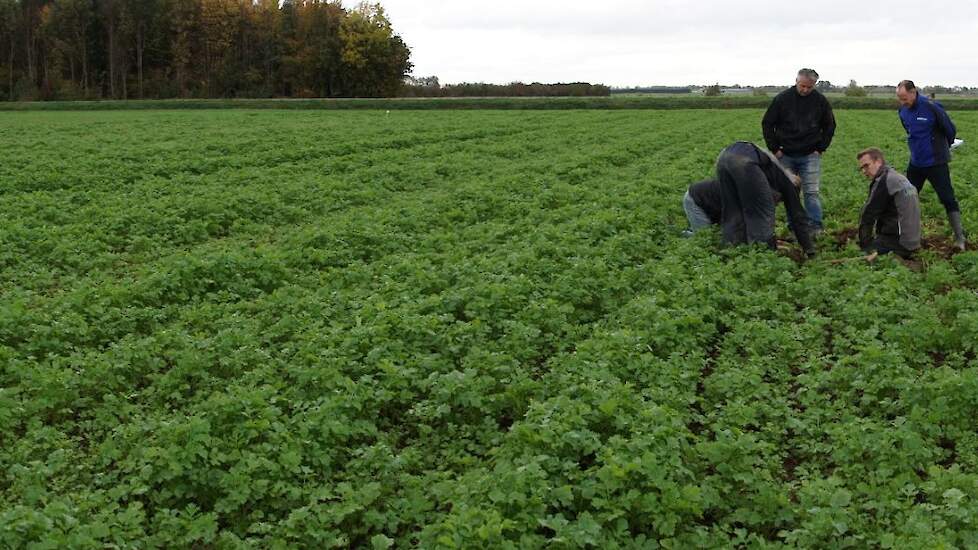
x: 881, y: 175
x: 917, y: 103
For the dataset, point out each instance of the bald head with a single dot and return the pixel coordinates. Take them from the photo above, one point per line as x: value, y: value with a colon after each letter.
x: 906, y: 93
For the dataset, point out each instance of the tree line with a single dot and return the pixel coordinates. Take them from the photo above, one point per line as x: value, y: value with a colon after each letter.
x: 134, y: 49
x: 430, y: 87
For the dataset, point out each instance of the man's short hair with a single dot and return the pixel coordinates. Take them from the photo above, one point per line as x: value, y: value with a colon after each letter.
x: 874, y: 153
x: 907, y: 85
x: 810, y: 74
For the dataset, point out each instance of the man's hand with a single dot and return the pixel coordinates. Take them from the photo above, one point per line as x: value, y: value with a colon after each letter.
x: 870, y: 257
x: 779, y: 153
x: 795, y: 178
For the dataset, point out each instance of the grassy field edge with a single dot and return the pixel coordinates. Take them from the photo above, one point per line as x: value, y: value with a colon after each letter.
x: 502, y: 103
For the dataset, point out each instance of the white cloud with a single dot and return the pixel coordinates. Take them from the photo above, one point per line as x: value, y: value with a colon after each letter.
x: 629, y: 42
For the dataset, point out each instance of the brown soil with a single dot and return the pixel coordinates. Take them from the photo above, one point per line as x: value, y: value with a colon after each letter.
x: 842, y: 237
x: 942, y: 245
x: 788, y: 248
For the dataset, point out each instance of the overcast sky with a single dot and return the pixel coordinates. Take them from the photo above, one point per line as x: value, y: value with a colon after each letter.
x: 675, y: 42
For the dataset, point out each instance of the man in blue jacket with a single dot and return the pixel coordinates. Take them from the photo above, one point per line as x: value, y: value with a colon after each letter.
x: 930, y: 134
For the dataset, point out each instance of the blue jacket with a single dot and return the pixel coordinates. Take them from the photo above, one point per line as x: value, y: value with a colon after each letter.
x: 930, y: 132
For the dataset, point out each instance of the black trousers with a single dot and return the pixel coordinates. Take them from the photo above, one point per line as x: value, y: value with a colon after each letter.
x: 884, y: 244
x: 747, y: 213
x: 940, y: 178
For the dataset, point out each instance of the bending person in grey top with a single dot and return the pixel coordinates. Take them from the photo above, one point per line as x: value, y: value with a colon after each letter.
x: 749, y: 176
x: 703, y: 204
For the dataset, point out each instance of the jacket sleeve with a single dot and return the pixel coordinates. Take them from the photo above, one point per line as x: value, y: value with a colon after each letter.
x: 769, y: 124
x: 908, y: 211
x: 828, y: 126
x: 944, y: 121
x: 800, y: 223
x: 872, y: 210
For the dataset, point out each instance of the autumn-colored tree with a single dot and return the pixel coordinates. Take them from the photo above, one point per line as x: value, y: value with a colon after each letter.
x: 30, y: 21
x: 72, y: 20
x: 219, y: 21
x: 321, y: 46
x: 184, y: 32
x: 113, y: 16
x: 144, y: 17
x: 197, y: 48
x: 8, y: 36
x: 374, y: 58
x: 267, y: 21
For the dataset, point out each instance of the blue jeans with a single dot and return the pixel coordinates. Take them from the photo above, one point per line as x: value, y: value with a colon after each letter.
x: 809, y: 168
x: 696, y: 216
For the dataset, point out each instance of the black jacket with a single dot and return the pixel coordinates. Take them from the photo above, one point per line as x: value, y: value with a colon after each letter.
x: 798, y: 125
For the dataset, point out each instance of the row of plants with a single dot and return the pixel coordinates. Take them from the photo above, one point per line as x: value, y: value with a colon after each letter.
x: 239, y: 329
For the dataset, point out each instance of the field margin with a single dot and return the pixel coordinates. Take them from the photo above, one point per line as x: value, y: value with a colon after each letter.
x: 497, y: 103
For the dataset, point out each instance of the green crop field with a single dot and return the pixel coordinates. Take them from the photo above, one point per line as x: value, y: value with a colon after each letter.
x: 615, y: 102
x: 464, y: 329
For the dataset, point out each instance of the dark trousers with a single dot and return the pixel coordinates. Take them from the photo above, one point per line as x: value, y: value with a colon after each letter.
x: 884, y: 244
x: 939, y: 177
x: 747, y: 213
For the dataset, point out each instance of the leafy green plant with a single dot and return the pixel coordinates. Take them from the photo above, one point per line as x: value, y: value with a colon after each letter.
x: 351, y: 329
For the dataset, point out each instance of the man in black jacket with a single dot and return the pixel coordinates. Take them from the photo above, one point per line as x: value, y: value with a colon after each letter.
x: 798, y: 128
x: 750, y: 178
x: 890, y: 219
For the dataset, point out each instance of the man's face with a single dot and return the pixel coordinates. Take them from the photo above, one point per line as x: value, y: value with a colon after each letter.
x: 804, y: 85
x: 906, y: 98
x: 869, y: 166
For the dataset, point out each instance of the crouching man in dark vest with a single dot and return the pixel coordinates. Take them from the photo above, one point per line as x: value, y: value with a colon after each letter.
x: 750, y: 177
x: 703, y: 205
x: 890, y: 219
